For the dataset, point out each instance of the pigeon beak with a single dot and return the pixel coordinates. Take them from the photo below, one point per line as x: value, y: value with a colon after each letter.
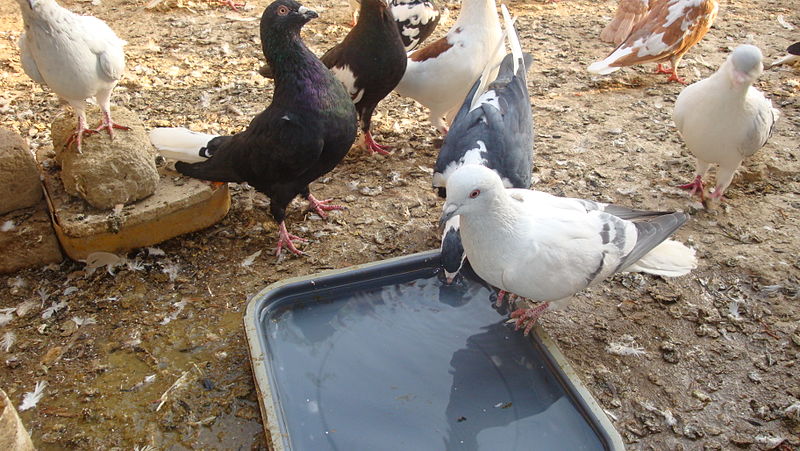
x: 307, y: 14
x: 448, y: 212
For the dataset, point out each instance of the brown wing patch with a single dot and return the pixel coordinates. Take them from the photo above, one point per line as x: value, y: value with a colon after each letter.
x: 677, y: 36
x: 431, y: 50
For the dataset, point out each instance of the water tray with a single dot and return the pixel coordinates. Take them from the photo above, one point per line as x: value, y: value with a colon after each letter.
x: 383, y: 356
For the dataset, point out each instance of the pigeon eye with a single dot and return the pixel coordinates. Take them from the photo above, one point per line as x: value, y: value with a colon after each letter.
x: 474, y: 193
x: 283, y: 10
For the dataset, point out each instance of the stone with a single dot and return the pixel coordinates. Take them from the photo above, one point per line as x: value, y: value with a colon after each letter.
x: 19, y: 175
x: 108, y: 172
x: 27, y: 239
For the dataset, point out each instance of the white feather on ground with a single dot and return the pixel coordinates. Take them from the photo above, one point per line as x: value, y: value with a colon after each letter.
x: 30, y: 399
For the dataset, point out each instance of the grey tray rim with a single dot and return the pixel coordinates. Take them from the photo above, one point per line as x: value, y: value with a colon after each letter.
x: 277, y: 439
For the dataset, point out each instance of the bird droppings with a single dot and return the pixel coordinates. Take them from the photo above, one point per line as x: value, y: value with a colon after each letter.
x: 570, y: 111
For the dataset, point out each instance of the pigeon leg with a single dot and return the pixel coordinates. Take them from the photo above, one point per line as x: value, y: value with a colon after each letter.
x: 321, y: 206
x: 528, y: 317
x: 110, y: 125
x: 724, y: 178
x: 80, y: 131
x: 371, y: 145
x: 286, y: 239
x: 696, y: 186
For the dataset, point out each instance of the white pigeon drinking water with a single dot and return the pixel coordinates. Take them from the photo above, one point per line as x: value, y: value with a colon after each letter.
x: 546, y: 248
x: 723, y: 119
x: 78, y: 57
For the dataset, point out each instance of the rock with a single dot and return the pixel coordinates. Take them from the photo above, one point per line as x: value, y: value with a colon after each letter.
x: 27, y: 239
x: 107, y: 172
x: 19, y: 175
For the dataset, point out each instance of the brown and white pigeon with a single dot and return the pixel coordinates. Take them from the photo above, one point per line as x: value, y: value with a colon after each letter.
x: 78, y: 57
x: 629, y: 13
x: 440, y: 75
x: 723, y: 119
x: 666, y: 33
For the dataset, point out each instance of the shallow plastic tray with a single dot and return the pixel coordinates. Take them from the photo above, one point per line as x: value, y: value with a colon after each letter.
x: 383, y: 356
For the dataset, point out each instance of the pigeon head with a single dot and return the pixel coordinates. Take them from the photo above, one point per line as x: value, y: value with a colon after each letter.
x: 471, y: 189
x: 745, y: 65
x: 285, y: 16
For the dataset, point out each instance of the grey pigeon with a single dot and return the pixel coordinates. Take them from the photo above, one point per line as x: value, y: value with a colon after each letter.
x: 547, y: 248
x: 723, y: 119
x: 494, y: 128
x: 78, y: 57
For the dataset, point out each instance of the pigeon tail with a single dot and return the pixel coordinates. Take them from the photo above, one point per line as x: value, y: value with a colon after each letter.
x: 602, y: 67
x: 181, y: 144
x: 669, y: 259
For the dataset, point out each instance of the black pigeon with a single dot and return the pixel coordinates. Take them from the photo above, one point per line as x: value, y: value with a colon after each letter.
x: 370, y: 62
x: 304, y: 133
x: 493, y: 128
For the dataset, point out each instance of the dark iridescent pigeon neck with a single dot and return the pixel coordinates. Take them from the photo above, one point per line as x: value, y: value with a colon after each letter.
x: 296, y: 69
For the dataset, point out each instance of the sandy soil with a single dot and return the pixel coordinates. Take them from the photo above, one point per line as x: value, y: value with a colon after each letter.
x: 720, y: 346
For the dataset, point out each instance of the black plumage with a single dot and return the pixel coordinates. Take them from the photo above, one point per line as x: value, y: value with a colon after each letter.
x: 370, y: 62
x: 304, y: 133
x: 493, y: 129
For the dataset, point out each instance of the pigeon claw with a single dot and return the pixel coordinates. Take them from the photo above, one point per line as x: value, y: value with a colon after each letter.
x: 77, y: 138
x: 696, y: 187
x: 321, y: 206
x: 527, y: 317
x: 673, y: 74
x: 287, y: 239
x: 110, y: 126
x: 371, y: 145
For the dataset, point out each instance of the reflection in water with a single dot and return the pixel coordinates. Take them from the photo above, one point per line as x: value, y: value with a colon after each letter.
x: 412, y: 365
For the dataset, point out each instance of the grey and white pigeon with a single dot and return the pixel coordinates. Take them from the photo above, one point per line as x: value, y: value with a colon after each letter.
x: 78, y: 57
x: 494, y: 128
x: 441, y: 74
x: 723, y: 119
x: 546, y: 248
x: 792, y: 56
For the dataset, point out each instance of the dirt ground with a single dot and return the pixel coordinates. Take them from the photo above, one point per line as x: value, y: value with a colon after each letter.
x: 719, y: 348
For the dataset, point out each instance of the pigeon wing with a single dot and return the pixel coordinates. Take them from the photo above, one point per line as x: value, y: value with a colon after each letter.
x: 104, y: 43
x: 28, y: 61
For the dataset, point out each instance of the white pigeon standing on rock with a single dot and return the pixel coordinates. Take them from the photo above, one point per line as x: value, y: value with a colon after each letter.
x: 78, y: 57
x: 723, y: 119
x: 547, y: 248
x: 441, y: 74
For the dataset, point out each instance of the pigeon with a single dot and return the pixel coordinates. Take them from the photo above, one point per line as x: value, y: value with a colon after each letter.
x: 494, y: 128
x: 370, y: 61
x: 723, y: 119
x: 546, y: 248
x: 668, y: 30
x: 416, y: 20
x: 792, y: 56
x: 78, y: 57
x: 629, y: 13
x: 304, y: 133
x: 441, y: 74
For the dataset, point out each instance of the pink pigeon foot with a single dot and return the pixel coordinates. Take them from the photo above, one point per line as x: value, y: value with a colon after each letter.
x: 321, y: 206
x: 528, y: 317
x: 233, y: 5
x: 108, y: 124
x: 696, y: 187
x: 77, y: 137
x: 717, y: 194
x: 286, y: 239
x: 673, y: 74
x: 373, y: 146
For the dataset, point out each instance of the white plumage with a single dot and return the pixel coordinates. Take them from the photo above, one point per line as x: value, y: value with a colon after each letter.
x: 723, y: 119
x: 547, y: 248
x: 441, y: 74
x: 78, y: 57
x: 181, y: 144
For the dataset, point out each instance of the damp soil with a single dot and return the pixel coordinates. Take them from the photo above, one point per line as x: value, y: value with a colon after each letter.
x: 714, y: 360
